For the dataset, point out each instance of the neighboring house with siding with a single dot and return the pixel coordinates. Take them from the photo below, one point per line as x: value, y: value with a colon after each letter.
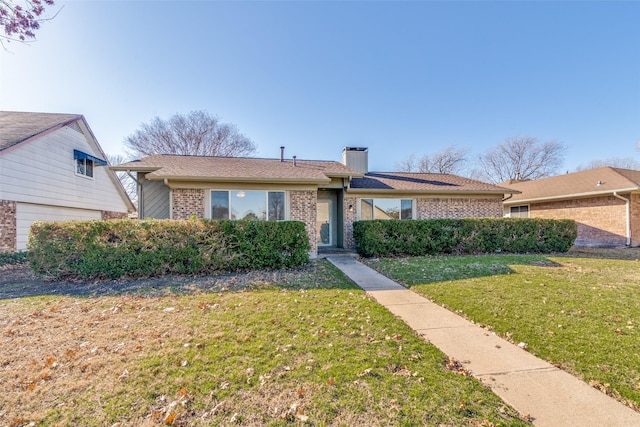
x: 51, y: 169
x: 605, y: 203
x: 327, y: 196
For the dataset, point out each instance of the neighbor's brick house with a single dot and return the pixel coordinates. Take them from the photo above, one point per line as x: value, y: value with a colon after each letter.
x: 50, y: 171
x: 604, y: 202
x: 327, y: 196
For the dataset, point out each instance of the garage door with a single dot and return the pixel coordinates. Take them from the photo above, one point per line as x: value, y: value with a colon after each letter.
x: 27, y: 213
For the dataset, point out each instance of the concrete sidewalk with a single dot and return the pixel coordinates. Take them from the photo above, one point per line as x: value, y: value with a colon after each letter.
x: 550, y: 396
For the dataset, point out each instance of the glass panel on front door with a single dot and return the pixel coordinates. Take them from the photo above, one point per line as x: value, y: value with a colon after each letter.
x: 323, y: 224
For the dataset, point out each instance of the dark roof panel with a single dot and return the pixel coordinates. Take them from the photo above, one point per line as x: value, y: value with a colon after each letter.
x: 423, y: 182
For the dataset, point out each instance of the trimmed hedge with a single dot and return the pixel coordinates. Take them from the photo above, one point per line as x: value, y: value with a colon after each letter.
x: 463, y: 236
x: 13, y: 258
x: 130, y: 248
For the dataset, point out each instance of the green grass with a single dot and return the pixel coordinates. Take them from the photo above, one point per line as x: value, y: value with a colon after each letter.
x: 313, y: 351
x: 579, y: 312
x: 334, y: 353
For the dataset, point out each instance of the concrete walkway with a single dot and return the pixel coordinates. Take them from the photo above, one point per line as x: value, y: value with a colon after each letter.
x: 550, y: 396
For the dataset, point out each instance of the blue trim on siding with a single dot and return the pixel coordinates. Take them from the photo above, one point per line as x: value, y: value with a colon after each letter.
x: 77, y: 154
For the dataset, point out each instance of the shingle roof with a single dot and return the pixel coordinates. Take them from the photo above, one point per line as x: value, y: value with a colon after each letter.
x: 201, y: 168
x: 423, y: 182
x: 591, y: 182
x: 16, y: 127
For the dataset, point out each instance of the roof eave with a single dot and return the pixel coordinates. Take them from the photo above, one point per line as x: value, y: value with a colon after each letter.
x: 238, y: 179
x: 572, y: 196
x: 413, y: 191
x: 119, y: 168
x: 343, y: 175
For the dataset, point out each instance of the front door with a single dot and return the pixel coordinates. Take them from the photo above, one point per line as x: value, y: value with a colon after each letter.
x: 324, y: 223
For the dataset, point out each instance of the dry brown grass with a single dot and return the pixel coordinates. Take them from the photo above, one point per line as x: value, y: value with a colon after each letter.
x: 56, y: 353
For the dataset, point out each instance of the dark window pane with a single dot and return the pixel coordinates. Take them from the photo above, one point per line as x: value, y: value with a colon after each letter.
x: 519, y: 211
x: 220, y: 205
x: 276, y: 206
x: 89, y: 167
x: 406, y: 209
x: 80, y: 166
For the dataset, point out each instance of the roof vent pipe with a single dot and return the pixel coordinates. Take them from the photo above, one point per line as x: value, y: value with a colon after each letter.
x: 294, y: 161
x: 282, y: 154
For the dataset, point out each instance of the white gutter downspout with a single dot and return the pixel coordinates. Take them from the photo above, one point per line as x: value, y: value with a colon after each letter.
x: 627, y: 203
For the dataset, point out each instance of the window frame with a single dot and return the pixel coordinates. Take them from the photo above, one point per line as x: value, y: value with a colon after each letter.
x: 373, y: 205
x: 267, y: 195
x: 84, y: 168
x: 520, y: 211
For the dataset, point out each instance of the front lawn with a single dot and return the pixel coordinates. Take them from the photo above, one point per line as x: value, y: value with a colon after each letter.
x: 580, y: 311
x: 313, y: 351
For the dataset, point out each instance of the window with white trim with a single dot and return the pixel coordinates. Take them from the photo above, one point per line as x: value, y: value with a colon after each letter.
x: 84, y: 167
x: 85, y: 163
x: 386, y: 209
x: 519, y: 211
x: 248, y: 204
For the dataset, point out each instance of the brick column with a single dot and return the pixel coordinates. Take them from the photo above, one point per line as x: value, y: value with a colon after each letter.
x: 303, y: 207
x: 8, y: 226
x: 187, y: 202
x: 350, y: 216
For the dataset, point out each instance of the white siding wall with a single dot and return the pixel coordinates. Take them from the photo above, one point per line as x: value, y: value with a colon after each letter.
x: 42, y: 171
x: 27, y: 213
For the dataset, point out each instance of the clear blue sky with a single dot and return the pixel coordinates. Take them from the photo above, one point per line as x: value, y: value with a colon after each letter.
x: 397, y: 77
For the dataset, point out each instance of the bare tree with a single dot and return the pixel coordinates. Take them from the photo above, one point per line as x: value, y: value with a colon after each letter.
x: 409, y: 164
x: 451, y: 160
x: 197, y: 133
x: 521, y: 158
x: 614, y: 162
x: 129, y: 184
x: 20, y: 19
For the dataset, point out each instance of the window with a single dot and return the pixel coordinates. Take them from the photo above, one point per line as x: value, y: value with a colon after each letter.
x: 84, y: 167
x: 386, y: 209
x: 86, y: 162
x: 519, y: 212
x: 249, y: 205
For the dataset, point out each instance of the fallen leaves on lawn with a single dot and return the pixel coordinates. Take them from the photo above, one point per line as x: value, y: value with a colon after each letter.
x: 455, y: 366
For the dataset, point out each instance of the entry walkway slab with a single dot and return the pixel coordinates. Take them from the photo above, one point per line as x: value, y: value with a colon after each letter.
x: 550, y: 396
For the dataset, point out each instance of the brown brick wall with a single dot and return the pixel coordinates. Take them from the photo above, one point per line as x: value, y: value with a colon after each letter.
x: 349, y: 217
x: 8, y: 226
x: 303, y: 208
x: 601, y: 220
x: 113, y: 215
x: 187, y: 202
x: 449, y: 207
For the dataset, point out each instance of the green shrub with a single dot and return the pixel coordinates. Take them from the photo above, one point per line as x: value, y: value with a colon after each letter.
x: 119, y: 248
x: 463, y: 236
x: 13, y: 258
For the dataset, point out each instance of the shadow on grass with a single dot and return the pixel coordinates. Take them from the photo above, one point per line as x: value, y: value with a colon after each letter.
x: 424, y: 270
x: 18, y: 281
x: 621, y: 253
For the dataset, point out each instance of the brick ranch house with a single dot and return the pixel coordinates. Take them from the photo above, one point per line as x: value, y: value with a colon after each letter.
x: 605, y: 202
x: 327, y: 196
x: 50, y: 171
